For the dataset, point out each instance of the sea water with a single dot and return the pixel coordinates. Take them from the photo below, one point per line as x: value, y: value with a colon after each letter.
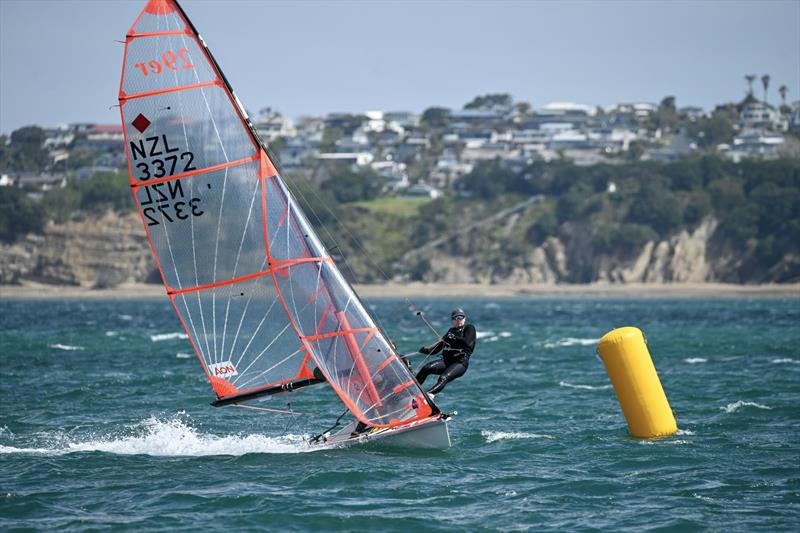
x: 105, y: 422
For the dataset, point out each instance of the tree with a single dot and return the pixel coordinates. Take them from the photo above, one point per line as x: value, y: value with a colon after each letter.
x: 490, y: 101
x: 765, y: 83
x: 713, y: 130
x: 18, y: 214
x: 349, y: 186
x: 435, y: 117
x: 782, y: 90
x: 750, y: 78
x: 25, y: 152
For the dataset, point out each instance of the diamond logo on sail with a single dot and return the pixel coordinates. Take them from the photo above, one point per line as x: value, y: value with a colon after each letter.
x: 141, y: 123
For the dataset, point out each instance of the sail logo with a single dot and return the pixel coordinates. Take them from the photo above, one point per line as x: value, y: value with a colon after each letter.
x: 225, y: 369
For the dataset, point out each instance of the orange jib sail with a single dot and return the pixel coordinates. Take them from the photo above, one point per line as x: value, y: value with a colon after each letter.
x: 261, y: 299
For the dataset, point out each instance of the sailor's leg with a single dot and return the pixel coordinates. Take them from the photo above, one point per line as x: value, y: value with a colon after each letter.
x: 456, y: 370
x: 434, y: 367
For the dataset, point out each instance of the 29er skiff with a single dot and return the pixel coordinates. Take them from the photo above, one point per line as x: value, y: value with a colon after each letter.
x: 263, y: 302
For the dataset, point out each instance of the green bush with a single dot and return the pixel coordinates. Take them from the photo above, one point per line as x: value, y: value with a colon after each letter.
x: 18, y: 214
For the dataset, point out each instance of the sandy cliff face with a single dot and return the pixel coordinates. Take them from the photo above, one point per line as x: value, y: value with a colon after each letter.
x: 91, y: 252
x: 681, y: 258
x: 113, y: 249
x: 694, y: 256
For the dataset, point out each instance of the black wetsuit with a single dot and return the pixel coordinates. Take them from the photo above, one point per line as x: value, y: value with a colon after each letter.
x: 456, y: 346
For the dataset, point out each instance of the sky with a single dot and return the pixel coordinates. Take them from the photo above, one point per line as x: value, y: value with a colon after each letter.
x: 60, y: 62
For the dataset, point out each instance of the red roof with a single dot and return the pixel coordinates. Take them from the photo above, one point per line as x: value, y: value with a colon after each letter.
x: 106, y: 128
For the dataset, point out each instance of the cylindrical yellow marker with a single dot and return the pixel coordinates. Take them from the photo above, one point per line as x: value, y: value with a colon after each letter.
x: 641, y: 396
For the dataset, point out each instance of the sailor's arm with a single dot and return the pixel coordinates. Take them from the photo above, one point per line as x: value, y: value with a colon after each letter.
x: 434, y: 348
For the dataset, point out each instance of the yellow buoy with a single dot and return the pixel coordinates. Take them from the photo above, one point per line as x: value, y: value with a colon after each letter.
x: 641, y: 396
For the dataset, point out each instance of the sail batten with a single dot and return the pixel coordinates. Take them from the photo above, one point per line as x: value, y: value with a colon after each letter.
x: 253, y: 286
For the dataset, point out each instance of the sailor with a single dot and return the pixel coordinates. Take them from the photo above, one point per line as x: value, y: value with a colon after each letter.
x: 456, y: 346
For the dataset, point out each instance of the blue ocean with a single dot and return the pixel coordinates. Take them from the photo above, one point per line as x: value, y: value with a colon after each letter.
x: 105, y: 423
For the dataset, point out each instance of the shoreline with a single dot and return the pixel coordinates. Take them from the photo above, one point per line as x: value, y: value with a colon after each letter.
x: 35, y: 291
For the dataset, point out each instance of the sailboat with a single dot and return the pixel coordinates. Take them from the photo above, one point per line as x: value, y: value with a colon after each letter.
x: 264, y: 305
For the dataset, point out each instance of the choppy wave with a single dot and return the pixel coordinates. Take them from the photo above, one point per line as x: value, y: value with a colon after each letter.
x: 483, y: 334
x: 492, y: 436
x: 183, y: 355
x: 570, y: 341
x: 733, y: 407
x: 168, y: 336
x: 587, y: 387
x: 66, y: 347
x: 785, y: 360
x: 172, y: 438
x: 695, y: 360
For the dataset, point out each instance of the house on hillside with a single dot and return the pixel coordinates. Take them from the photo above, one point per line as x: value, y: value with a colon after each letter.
x: 422, y: 190
x: 760, y: 116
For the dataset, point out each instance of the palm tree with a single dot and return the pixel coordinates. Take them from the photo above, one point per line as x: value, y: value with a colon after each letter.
x: 765, y: 83
x: 750, y: 78
x: 783, y: 90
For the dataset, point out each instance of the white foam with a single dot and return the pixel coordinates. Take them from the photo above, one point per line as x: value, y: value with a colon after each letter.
x: 111, y: 333
x: 66, y: 347
x: 168, y: 336
x: 586, y: 387
x: 695, y: 360
x: 733, y: 407
x: 174, y: 438
x: 505, y: 334
x: 492, y: 436
x: 182, y: 355
x: 571, y: 341
x: 125, y: 317
x: 785, y: 360
x: 685, y: 432
x: 482, y: 334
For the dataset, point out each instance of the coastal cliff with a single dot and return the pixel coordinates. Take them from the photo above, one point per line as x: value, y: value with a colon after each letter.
x: 689, y: 256
x: 92, y: 252
x: 111, y: 250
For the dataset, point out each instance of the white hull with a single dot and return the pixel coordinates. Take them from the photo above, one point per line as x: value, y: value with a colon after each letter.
x: 429, y: 434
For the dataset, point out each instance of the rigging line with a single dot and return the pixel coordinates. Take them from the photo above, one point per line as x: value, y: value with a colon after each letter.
x: 194, y: 328
x: 418, y: 312
x: 241, y: 321
x: 324, y: 228
x: 194, y: 248
x: 281, y: 411
x: 255, y: 377
x: 235, y: 381
x: 292, y: 421
x: 208, y: 108
x: 236, y: 266
x: 316, y: 438
x: 214, y: 272
x: 347, y: 286
x: 255, y: 332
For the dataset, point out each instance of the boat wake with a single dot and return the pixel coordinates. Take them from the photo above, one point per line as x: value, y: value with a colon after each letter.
x: 66, y: 347
x: 169, y: 438
x: 585, y: 387
x: 570, y: 341
x: 492, y: 436
x: 158, y: 337
x: 733, y: 407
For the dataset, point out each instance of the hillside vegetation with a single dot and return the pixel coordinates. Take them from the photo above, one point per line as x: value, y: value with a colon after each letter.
x: 608, y: 211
